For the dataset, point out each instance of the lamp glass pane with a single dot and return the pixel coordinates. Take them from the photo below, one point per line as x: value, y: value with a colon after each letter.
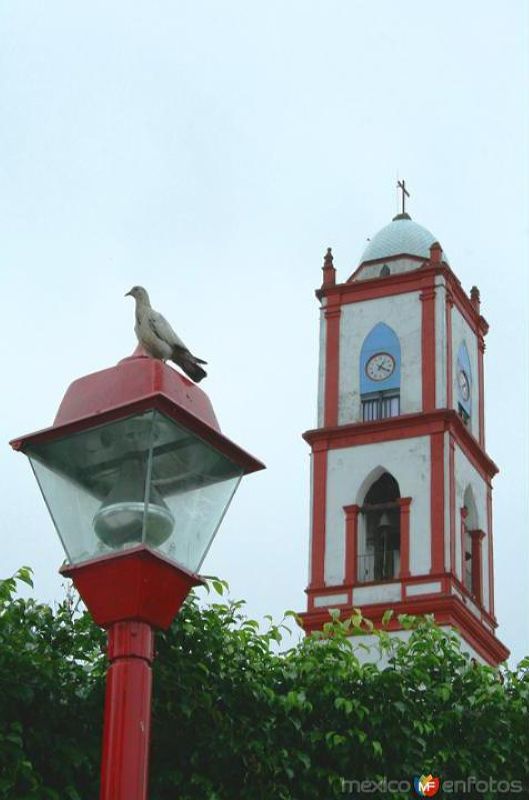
x: 143, y: 479
x: 93, y: 483
x: 196, y: 484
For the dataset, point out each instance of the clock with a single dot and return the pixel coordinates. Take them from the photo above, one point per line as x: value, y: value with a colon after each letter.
x: 380, y: 366
x: 463, y: 384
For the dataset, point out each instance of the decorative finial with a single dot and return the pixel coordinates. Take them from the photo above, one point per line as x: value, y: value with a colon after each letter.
x: 436, y: 252
x: 329, y: 272
x: 475, y: 298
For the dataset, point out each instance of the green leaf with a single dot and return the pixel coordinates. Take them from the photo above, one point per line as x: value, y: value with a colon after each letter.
x: 24, y: 574
x: 386, y: 616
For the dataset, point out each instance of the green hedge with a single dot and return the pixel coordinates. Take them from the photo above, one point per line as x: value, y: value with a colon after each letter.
x: 235, y: 719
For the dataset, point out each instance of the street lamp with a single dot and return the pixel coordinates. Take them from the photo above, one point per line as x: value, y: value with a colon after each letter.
x: 137, y: 477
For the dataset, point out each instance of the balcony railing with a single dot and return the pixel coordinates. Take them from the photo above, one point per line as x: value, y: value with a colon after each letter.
x: 380, y: 407
x: 379, y: 565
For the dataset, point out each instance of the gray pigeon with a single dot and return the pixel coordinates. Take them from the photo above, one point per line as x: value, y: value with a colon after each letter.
x: 158, y: 338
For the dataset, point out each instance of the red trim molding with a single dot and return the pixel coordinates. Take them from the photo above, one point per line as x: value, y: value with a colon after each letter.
x: 319, y: 510
x: 351, y: 543
x: 447, y: 610
x: 405, y: 503
x: 428, y: 348
x: 332, y: 364
x: 477, y: 585
x: 463, y: 514
x: 450, y: 584
x: 416, y: 280
x: 403, y: 427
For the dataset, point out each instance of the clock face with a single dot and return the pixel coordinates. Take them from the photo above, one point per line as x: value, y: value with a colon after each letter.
x: 380, y: 366
x: 463, y: 384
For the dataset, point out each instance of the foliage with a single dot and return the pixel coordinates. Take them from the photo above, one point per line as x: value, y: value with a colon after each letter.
x: 52, y: 681
x: 233, y: 718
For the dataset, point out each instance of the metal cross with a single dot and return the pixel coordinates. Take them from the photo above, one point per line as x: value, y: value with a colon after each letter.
x: 405, y: 194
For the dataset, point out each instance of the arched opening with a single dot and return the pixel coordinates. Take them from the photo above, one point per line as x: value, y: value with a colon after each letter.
x: 380, y: 374
x: 379, y: 559
x: 471, y: 544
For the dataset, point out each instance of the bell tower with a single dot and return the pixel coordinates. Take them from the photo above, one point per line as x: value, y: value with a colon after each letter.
x: 401, y: 501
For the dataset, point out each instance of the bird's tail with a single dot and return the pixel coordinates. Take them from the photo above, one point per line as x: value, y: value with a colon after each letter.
x: 194, y: 371
x: 190, y: 364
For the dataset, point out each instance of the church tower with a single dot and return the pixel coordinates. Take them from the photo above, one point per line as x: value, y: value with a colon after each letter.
x: 401, y: 501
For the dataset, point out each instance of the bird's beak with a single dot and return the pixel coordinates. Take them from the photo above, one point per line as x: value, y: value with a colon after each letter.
x: 127, y: 294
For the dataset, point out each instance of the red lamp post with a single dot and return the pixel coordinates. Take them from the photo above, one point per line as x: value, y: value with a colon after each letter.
x: 137, y: 478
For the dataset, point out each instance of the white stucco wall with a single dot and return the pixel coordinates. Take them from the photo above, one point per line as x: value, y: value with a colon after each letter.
x: 311, y: 517
x: 350, y: 472
x: 389, y: 592
x: 467, y: 475
x: 373, y: 656
x: 461, y: 331
x: 330, y: 600
x: 403, y: 314
x: 428, y: 587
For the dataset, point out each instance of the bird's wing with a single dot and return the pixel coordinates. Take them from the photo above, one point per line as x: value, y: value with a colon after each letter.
x: 163, y: 330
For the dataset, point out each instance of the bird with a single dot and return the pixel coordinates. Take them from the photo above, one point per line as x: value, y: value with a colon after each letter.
x: 159, y: 340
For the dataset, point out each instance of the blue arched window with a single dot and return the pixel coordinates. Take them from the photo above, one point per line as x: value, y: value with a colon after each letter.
x: 380, y: 373
x: 464, y: 384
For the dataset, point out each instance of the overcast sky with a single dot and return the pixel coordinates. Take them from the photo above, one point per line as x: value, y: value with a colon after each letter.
x: 211, y: 151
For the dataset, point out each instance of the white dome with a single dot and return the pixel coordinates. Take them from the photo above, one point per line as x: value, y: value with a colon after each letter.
x: 402, y: 236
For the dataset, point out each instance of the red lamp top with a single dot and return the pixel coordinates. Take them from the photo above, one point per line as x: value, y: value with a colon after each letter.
x: 135, y: 384
x: 134, y: 378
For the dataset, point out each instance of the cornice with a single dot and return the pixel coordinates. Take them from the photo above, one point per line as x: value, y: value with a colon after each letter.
x: 416, y: 280
x: 405, y: 426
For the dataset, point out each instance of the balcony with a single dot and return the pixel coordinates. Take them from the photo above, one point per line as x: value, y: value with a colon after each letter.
x: 379, y: 565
